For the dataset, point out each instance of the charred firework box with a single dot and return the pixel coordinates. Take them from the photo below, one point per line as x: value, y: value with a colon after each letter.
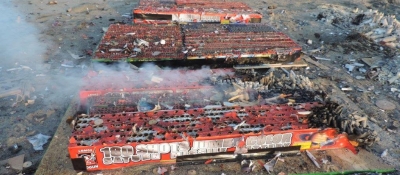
x: 127, y: 139
x: 245, y: 43
x: 140, y: 43
x: 231, y: 43
x: 108, y: 92
x: 183, y: 11
x: 118, y: 131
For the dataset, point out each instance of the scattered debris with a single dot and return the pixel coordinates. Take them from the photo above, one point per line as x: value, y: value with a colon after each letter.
x: 74, y: 56
x: 15, y: 148
x: 247, y: 166
x: 319, y: 65
x: 156, y: 53
x: 373, y: 72
x: 38, y: 141
x: 156, y: 79
x: 346, y: 88
x: 162, y: 170
x: 98, y: 122
x: 269, y: 166
x: 371, y: 61
x: 313, y: 159
x: 162, y: 42
x: 325, y: 59
x: 30, y: 102
x: 394, y: 78
x: 68, y: 64
x: 384, y: 153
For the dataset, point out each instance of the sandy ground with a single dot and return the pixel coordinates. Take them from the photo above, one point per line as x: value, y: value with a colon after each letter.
x: 41, y: 36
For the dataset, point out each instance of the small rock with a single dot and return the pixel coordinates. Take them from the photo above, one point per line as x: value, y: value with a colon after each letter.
x: 362, y: 70
x: 16, y: 162
x: 385, y: 105
x: 371, y: 88
x: 27, y: 164
x: 349, y: 67
x: 52, y: 2
x: 309, y: 42
x: 384, y: 153
x: 360, y: 77
x: 272, y: 7
x: 373, y: 120
x: 317, y: 35
x: 29, y: 102
x: 192, y: 172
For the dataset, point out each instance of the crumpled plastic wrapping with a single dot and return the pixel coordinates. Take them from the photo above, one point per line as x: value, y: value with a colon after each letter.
x: 38, y: 141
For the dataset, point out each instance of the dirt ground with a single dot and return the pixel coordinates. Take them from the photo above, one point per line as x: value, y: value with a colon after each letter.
x: 40, y: 37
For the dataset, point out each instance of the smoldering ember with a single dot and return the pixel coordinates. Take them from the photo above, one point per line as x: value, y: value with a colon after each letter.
x: 199, y: 87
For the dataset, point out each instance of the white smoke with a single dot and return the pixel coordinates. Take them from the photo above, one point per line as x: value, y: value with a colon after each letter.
x: 19, y: 41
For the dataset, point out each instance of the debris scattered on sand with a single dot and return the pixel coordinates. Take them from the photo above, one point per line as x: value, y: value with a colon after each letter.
x: 269, y: 166
x: 313, y: 159
x: 38, y: 141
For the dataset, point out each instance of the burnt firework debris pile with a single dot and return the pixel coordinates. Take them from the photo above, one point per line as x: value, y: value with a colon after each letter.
x: 271, y: 87
x: 214, y: 88
x: 331, y: 115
